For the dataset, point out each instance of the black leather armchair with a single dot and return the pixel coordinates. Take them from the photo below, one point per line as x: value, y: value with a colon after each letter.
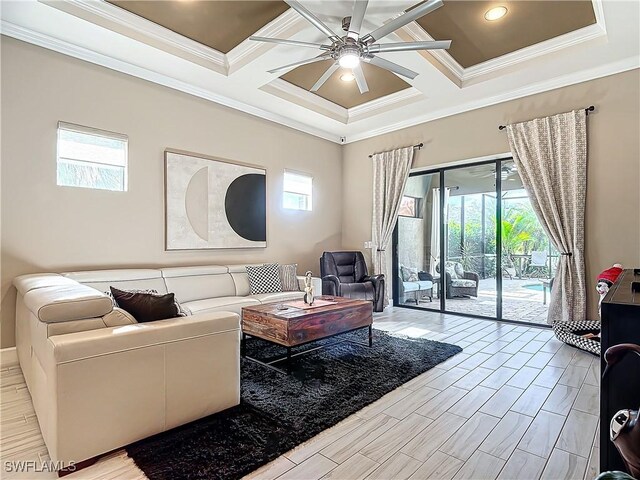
x: 344, y: 274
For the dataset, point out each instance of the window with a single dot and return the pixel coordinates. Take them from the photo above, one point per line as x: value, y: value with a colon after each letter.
x: 410, y: 207
x: 91, y: 158
x: 297, y: 191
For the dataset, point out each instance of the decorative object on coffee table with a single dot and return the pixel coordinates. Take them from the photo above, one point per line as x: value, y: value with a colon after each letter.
x: 213, y: 203
x: 295, y: 327
x: 308, y: 288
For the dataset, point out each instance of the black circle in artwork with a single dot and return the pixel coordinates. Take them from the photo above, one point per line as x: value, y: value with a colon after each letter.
x: 246, y: 207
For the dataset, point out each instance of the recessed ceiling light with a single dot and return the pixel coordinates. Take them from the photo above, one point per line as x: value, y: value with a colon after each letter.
x: 347, y: 77
x: 495, y: 13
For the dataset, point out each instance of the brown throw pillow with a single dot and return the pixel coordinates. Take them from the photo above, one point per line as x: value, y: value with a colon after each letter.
x: 146, y: 307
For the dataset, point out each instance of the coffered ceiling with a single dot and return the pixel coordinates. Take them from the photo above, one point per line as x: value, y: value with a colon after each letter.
x: 221, y: 25
x: 476, y: 40
x: 202, y: 48
x: 346, y: 94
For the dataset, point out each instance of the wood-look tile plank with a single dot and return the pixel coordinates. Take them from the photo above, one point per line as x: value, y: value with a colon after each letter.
x: 496, y: 360
x: 441, y: 402
x: 577, y: 434
x: 562, y: 358
x: 438, y: 466
x: 501, y: 402
x: 473, y: 378
x: 524, y: 377
x: 407, y: 405
x: 383, y: 447
x: 463, y: 443
x: 499, y: 377
x: 563, y: 465
x: 542, y: 434
x: 349, y: 444
x: 560, y: 399
x: 355, y: 468
x: 588, y: 399
x: 472, y: 401
x: 398, y: 467
x: 540, y: 360
x: 522, y: 465
x: 549, y: 376
x: 447, y: 379
x: 593, y: 375
x: 423, y: 445
x: 502, y: 441
x: 480, y: 466
x: 513, y: 347
x: 573, y: 376
x: 531, y: 400
x: 312, y: 468
x: 475, y: 360
x: 518, y: 360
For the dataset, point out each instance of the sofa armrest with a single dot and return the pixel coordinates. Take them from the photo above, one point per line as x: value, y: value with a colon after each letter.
x: 104, y: 341
x: 330, y: 285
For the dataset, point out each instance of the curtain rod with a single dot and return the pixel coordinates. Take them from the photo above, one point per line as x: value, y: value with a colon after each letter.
x: 590, y: 108
x: 418, y: 146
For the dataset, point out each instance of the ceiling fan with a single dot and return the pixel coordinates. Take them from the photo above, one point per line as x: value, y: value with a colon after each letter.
x: 349, y: 50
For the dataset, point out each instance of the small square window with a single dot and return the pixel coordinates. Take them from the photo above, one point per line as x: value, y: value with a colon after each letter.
x: 297, y: 191
x: 91, y: 158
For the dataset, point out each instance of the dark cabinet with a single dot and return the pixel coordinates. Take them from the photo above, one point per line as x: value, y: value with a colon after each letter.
x: 621, y: 387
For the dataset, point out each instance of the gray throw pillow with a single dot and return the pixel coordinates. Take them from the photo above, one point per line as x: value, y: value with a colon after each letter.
x: 289, y: 278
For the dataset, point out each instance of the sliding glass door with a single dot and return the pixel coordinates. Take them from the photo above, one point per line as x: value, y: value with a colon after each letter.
x: 467, y: 241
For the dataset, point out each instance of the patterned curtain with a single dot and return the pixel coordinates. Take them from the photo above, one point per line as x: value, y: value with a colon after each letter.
x: 390, y: 173
x: 551, y: 156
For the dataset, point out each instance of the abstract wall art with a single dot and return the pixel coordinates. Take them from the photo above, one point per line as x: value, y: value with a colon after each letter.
x: 213, y: 203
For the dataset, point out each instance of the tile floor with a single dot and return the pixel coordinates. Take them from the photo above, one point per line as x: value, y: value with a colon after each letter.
x: 515, y: 404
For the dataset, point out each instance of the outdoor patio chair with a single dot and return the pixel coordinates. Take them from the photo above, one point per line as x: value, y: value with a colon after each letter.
x: 459, y: 283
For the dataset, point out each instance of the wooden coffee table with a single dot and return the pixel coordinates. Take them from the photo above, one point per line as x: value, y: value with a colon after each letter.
x: 294, y: 327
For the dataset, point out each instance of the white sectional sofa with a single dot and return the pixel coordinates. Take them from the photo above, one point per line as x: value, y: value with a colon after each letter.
x: 99, y: 380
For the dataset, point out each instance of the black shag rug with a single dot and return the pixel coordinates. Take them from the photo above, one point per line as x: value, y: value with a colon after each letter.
x: 279, y: 412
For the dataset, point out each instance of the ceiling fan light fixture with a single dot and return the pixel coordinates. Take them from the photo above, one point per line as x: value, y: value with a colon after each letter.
x: 349, y: 56
x: 495, y: 13
x: 347, y: 77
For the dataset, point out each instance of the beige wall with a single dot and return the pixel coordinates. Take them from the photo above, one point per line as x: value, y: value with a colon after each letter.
x: 50, y: 228
x: 613, y: 193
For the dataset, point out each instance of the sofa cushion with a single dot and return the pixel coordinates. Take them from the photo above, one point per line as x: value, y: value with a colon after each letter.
x: 264, y: 278
x: 124, y: 279
x: 64, y: 303
x: 409, y: 274
x: 359, y: 291
x: 220, y: 304
x: 146, y: 307
x: 463, y: 282
x: 277, y: 297
x: 198, y: 283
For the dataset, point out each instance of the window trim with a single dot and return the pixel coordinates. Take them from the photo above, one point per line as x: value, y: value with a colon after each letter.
x: 96, y: 132
x: 310, y: 196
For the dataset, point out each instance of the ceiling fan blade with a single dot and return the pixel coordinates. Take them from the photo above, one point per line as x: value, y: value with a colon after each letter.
x: 325, y: 76
x: 398, y: 22
x: 409, y: 46
x: 392, y: 67
x: 360, y: 79
x: 319, y: 58
x: 311, y: 18
x: 290, y: 42
x: 357, y: 16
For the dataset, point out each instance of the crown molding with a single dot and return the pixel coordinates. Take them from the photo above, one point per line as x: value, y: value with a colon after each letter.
x: 304, y: 98
x: 285, y: 26
x: 462, y: 75
x: 600, y: 71
x: 384, y: 104
x: 122, y: 21
x: 66, y: 48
